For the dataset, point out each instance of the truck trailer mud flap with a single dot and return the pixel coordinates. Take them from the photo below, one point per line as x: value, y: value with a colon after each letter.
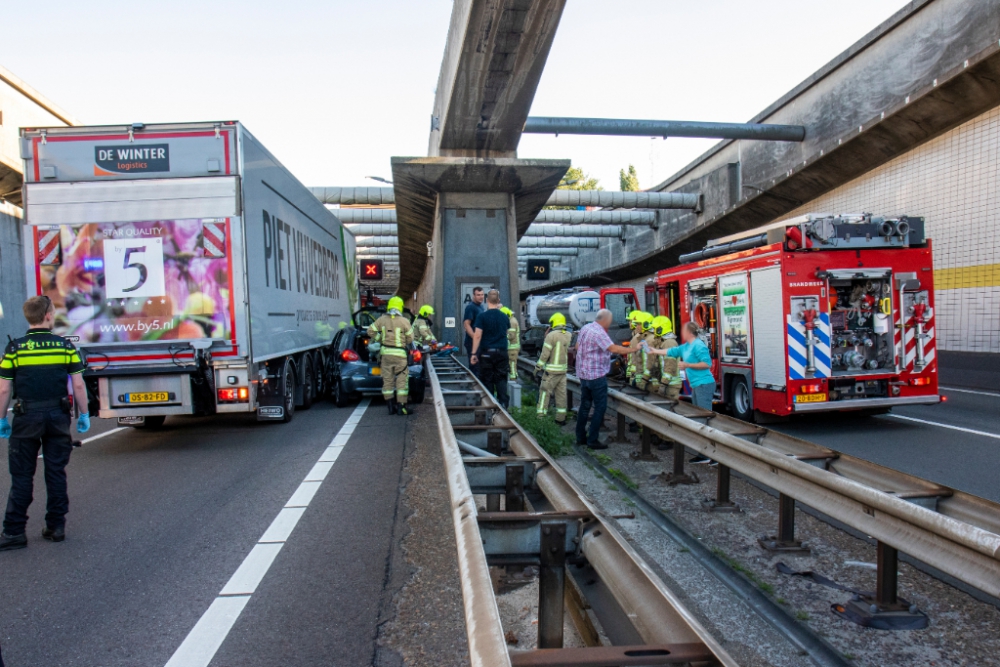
x: 270, y: 412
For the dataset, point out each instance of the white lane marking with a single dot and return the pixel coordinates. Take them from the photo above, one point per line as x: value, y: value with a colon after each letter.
x: 204, y: 640
x: 303, y: 495
x: 972, y: 391
x: 331, y: 453
x: 319, y: 471
x: 99, y: 436
x: 209, y: 632
x: 283, y: 525
x: 253, y: 568
x: 985, y: 434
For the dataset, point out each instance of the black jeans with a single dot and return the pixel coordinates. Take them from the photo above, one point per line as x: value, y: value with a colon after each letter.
x: 493, y: 370
x: 47, y: 430
x: 592, y: 392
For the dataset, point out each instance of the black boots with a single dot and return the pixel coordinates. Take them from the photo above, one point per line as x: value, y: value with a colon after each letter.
x: 8, y: 542
x: 391, y: 402
x: 54, y: 534
x: 405, y: 409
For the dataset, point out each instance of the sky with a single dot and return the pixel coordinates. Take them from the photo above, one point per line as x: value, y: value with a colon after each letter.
x: 334, y: 88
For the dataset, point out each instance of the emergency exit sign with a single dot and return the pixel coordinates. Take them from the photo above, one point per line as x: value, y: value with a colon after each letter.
x: 538, y: 269
x: 371, y: 269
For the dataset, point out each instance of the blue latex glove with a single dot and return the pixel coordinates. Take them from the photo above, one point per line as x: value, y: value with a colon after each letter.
x: 4, y: 428
x: 83, y: 423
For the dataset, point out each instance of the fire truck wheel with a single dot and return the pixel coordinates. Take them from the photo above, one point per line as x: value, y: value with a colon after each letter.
x: 741, y: 400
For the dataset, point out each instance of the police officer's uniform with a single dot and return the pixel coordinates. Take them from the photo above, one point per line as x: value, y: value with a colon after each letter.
x: 39, y: 365
x: 395, y: 334
x: 554, y: 361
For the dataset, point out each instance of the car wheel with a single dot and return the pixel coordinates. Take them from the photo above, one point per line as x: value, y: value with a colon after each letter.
x: 741, y: 401
x: 152, y: 423
x: 288, y: 386
x: 338, y: 395
x: 308, y: 381
x: 417, y: 390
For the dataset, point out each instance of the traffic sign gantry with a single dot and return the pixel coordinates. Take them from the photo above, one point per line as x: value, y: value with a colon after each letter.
x: 371, y: 269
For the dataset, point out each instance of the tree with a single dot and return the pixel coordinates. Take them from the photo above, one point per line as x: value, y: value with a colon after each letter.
x: 629, y: 180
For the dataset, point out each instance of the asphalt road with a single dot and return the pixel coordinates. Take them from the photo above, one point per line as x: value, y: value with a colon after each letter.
x: 160, y: 521
x: 956, y: 443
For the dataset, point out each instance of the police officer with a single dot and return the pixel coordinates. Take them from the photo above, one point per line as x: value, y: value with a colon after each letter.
x: 554, y: 362
x: 394, y: 334
x: 422, y: 333
x: 34, y: 370
x: 513, y: 341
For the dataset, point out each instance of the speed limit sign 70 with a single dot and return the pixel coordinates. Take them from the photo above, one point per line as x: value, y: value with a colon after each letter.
x: 133, y: 268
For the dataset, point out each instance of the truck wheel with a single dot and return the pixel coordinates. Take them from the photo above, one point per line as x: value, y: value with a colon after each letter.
x: 321, y: 376
x: 308, y: 381
x: 741, y: 401
x: 288, y: 386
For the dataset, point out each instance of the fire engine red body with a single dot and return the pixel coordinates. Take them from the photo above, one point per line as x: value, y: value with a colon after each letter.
x: 816, y: 314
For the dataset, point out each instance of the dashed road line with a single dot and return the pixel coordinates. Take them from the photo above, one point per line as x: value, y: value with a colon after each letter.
x: 985, y: 434
x: 205, y: 638
x: 972, y: 391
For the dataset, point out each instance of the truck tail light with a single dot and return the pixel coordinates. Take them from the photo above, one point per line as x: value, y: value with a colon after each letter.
x: 417, y: 356
x: 811, y: 388
x: 234, y: 394
x: 920, y: 382
x: 349, y: 355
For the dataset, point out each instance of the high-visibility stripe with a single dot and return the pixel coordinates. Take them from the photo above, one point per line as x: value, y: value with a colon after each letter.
x: 44, y: 360
x: 394, y: 351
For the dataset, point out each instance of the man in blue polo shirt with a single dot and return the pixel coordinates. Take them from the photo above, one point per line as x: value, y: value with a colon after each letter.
x: 472, y: 311
x: 489, y: 348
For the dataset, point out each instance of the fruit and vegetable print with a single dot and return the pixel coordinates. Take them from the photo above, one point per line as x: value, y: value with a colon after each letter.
x: 138, y: 281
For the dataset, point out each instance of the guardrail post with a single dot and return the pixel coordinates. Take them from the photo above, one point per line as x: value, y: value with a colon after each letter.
x: 785, y: 540
x: 620, y: 430
x: 885, y: 610
x: 551, y: 584
x: 678, y: 476
x: 494, y: 445
x: 646, y: 453
x: 722, y: 502
x: 514, y: 501
x: 887, y: 559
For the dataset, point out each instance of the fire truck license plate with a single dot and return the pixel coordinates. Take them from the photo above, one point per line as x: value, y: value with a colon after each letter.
x: 376, y: 371
x: 810, y: 398
x: 149, y: 397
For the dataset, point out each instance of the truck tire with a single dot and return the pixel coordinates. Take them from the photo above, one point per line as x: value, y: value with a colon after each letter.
x: 741, y: 401
x: 321, y: 376
x: 308, y: 381
x: 288, y: 387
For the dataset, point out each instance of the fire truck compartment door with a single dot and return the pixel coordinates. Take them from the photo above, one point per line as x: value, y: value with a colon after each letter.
x: 848, y: 274
x: 132, y: 201
x: 767, y: 318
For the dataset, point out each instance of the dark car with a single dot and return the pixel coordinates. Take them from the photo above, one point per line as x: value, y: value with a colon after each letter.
x: 353, y: 371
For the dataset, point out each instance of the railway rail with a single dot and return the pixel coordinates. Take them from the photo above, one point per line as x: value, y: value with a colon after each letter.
x: 954, y: 532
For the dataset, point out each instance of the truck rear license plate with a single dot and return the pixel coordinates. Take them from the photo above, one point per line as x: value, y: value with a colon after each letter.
x: 148, y: 397
x: 275, y: 411
x: 131, y: 421
x: 376, y: 371
x: 810, y: 398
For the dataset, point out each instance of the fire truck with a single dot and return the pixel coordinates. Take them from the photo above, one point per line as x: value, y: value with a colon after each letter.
x: 814, y: 314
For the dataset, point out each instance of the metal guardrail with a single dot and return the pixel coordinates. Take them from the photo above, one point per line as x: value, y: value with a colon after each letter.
x: 955, y: 532
x: 571, y: 529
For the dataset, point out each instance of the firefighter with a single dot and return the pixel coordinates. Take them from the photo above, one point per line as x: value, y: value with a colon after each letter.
x: 643, y: 372
x: 670, y: 382
x: 35, y: 369
x: 422, y: 333
x: 635, y: 326
x: 394, y: 334
x: 513, y: 341
x: 554, y: 362
x: 637, y: 365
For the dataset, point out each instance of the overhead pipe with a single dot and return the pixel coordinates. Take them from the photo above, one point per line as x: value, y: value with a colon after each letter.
x: 663, y: 128
x: 371, y: 253
x: 377, y: 241
x: 562, y: 242
x: 595, y: 231
x: 355, y: 196
x: 533, y: 252
x: 597, y: 217
x: 354, y: 215
x: 372, y: 229
x: 617, y: 199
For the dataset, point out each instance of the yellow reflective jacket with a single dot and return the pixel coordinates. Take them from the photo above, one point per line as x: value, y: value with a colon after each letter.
x: 422, y: 331
x: 393, y: 332
x: 514, y: 334
x: 555, y: 351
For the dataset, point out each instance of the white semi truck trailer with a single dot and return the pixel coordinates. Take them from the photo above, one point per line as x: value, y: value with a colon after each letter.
x: 195, y: 272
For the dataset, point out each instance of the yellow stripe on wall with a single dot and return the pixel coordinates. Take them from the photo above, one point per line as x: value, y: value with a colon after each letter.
x: 980, y: 275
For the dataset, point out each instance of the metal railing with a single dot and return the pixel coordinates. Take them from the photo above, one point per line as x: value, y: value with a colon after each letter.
x: 570, y: 529
x: 952, y: 531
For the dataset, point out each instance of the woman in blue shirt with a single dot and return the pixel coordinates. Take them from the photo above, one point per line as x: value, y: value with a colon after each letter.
x: 695, y: 360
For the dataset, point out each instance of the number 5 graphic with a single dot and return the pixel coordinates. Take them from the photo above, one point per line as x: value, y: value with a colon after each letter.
x: 143, y: 271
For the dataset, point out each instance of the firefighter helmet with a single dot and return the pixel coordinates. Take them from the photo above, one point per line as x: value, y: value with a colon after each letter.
x: 646, y: 320
x: 426, y: 310
x: 507, y: 311
x: 557, y: 320
x: 633, y: 319
x: 395, y: 303
x: 662, y: 325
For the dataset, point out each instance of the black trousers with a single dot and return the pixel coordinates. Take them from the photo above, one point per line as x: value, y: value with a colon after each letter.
x: 493, y: 370
x: 47, y: 430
